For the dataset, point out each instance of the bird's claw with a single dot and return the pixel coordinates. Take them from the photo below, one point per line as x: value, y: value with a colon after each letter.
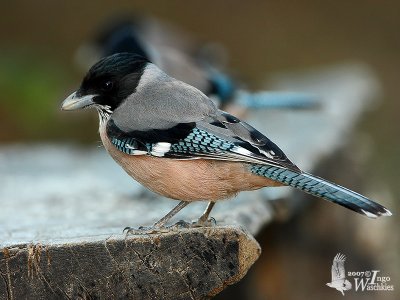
x: 204, y: 223
x: 180, y: 225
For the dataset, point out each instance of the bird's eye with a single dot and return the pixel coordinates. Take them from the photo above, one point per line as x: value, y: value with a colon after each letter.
x: 107, y: 86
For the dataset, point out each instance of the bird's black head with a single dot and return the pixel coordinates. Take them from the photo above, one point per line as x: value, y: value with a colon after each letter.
x: 108, y: 82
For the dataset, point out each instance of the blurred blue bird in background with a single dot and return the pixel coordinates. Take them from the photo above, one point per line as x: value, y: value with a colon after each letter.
x: 180, y: 56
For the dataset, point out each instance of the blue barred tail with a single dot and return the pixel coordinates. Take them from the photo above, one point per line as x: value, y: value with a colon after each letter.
x: 324, y: 189
x: 277, y: 100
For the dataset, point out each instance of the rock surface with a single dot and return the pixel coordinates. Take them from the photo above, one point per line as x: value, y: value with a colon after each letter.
x: 184, y: 264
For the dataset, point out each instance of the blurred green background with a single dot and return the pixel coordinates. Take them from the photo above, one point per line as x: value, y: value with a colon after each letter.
x: 37, y: 44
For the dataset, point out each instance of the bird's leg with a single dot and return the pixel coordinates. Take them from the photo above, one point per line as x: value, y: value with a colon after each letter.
x: 159, y: 224
x: 203, y: 220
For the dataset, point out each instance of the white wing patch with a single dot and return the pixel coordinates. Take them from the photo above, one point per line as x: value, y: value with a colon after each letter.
x: 270, y: 154
x: 135, y: 150
x: 160, y: 149
x: 242, y: 151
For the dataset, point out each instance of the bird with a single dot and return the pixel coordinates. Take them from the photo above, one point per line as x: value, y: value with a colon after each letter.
x: 339, y: 280
x: 171, y: 138
x: 184, y: 58
x: 172, y: 50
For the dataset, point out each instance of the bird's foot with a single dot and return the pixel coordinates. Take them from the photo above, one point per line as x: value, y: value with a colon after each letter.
x: 145, y: 230
x: 197, y: 224
x: 180, y: 225
x: 201, y: 222
x: 163, y: 229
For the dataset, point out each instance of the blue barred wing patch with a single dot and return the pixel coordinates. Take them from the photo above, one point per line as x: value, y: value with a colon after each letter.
x: 201, y: 141
x: 197, y: 142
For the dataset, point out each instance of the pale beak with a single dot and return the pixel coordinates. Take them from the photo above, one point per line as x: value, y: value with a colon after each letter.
x: 73, y: 102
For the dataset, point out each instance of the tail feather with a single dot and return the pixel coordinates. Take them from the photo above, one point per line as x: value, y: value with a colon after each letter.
x: 277, y: 100
x: 324, y: 189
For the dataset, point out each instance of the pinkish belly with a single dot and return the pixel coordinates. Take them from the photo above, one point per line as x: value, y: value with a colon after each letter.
x: 188, y: 180
x: 192, y: 180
